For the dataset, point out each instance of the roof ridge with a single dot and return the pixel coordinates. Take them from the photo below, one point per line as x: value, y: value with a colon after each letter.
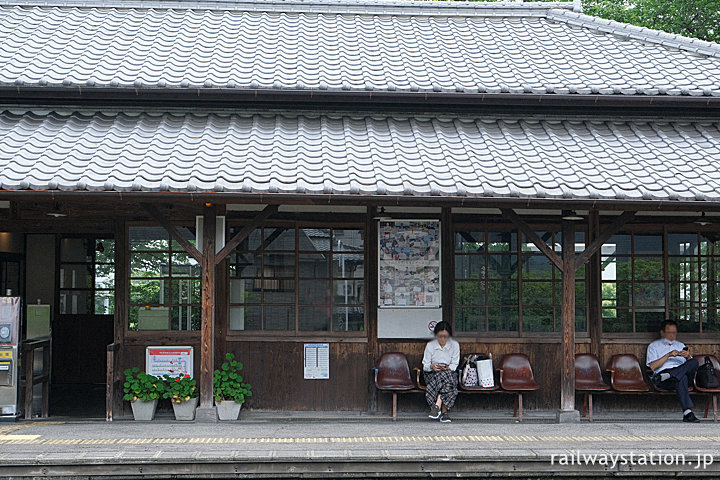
x: 644, y: 34
x: 358, y: 7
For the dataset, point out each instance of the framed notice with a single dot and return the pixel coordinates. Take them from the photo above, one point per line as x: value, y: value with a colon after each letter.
x: 409, y: 264
x: 317, y: 361
x: 173, y: 361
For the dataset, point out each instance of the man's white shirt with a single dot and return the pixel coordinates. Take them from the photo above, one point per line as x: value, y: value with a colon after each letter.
x: 659, y: 348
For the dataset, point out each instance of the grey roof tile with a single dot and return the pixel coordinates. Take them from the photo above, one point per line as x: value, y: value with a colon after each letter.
x: 448, y: 156
x: 349, y: 45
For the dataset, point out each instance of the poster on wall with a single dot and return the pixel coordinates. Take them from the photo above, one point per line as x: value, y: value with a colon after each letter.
x: 409, y: 264
x: 173, y: 361
x: 317, y: 361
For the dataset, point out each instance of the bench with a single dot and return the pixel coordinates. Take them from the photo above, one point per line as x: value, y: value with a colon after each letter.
x: 626, y: 377
x: 392, y: 374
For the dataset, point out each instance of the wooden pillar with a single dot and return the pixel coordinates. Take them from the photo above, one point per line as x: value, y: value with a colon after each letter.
x: 371, y: 302
x: 593, y: 274
x: 567, y: 381
x: 206, y: 410
x: 114, y: 404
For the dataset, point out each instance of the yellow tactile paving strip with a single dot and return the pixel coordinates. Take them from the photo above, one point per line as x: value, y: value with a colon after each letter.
x: 508, y: 439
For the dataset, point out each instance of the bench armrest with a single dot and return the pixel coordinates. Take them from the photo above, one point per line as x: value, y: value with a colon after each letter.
x: 417, y: 376
x: 376, y: 374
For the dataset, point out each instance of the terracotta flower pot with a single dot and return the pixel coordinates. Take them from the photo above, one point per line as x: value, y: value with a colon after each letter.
x: 144, y: 411
x: 185, y: 410
x: 228, y: 410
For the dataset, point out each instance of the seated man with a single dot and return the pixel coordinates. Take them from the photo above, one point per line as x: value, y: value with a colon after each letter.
x: 673, y: 367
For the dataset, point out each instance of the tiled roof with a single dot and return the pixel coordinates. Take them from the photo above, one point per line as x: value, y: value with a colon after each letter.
x: 351, y: 45
x: 343, y: 154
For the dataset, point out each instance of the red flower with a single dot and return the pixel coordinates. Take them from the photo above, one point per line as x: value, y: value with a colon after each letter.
x: 177, y: 379
x: 187, y: 376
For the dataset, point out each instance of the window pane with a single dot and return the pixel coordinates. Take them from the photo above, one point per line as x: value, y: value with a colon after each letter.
x: 279, y: 265
x: 314, y: 318
x: 348, y: 291
x: 580, y: 295
x: 470, y: 319
x: 348, y: 319
x: 709, y: 243
x: 279, y: 317
x: 245, y: 317
x: 348, y: 240
x: 502, y: 241
x: 188, y: 233
x: 581, y: 320
x: 648, y: 294
x: 186, y: 291
x: 279, y: 238
x: 314, y: 239
x: 649, y: 320
x: 313, y: 265
x: 617, y: 320
x: 502, y: 266
x: 502, y: 293
x: 76, y: 250
x: 648, y: 268
x: 536, y: 267
x: 149, y: 264
x: 539, y: 293
x: 104, y: 276
x: 469, y: 242
x: 251, y: 243
x: 470, y: 293
x: 76, y: 302
x: 538, y: 320
x: 245, y: 264
x: 648, y: 243
x: 616, y: 268
x: 279, y: 291
x: 149, y: 238
x: 711, y: 321
x: 149, y: 292
x: 469, y: 266
x: 149, y: 318
x: 503, y: 319
x: 688, y: 319
x: 617, y: 245
x: 183, y: 265
x: 314, y: 292
x: 683, y: 269
x: 186, y: 317
x: 348, y: 265
x: 76, y: 276
x: 105, y: 250
x: 104, y: 302
x: 547, y: 237
x: 245, y: 291
x: 682, y: 244
x: 684, y: 294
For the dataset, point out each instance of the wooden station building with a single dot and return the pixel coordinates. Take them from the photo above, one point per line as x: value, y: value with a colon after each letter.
x: 235, y: 176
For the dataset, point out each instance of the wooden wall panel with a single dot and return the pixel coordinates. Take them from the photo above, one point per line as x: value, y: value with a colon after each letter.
x: 275, y: 371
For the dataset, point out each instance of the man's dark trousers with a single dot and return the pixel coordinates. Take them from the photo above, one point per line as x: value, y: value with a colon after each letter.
x: 680, y: 379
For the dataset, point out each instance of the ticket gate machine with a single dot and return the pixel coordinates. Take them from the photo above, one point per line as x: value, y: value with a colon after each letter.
x: 9, y: 355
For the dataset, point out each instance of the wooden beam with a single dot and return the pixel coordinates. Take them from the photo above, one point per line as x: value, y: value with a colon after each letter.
x: 532, y: 236
x: 567, y: 377
x: 245, y: 231
x: 596, y: 244
x: 207, y: 329
x: 173, y: 231
x: 593, y: 274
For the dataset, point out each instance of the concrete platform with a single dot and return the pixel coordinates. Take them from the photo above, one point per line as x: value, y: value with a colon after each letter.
x: 359, y: 446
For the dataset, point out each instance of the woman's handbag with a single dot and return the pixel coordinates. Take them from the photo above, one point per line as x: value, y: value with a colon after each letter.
x: 485, y: 373
x: 470, y: 377
x: 706, y: 376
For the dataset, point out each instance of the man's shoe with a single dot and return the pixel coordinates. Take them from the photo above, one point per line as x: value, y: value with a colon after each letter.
x: 434, y: 412
x: 445, y: 418
x: 655, y: 379
x: 691, y: 418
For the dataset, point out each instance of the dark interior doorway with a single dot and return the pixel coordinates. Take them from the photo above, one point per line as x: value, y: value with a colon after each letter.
x: 83, y: 325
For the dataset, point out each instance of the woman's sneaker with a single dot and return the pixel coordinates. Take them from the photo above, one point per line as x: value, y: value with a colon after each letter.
x: 434, y: 412
x: 445, y: 418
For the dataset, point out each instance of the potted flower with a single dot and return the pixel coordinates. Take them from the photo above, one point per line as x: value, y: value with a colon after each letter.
x: 229, y: 389
x: 183, y: 394
x: 142, y: 391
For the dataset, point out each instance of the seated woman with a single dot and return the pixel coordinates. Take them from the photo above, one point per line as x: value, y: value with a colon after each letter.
x: 440, y: 361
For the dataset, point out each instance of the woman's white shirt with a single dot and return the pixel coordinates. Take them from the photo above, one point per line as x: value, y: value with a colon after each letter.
x: 449, y: 354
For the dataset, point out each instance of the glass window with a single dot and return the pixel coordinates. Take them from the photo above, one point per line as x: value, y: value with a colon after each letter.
x: 87, y: 276
x: 165, y: 285
x: 489, y: 282
x: 299, y: 279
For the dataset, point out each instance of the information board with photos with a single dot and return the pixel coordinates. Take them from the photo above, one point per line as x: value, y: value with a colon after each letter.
x: 409, y: 263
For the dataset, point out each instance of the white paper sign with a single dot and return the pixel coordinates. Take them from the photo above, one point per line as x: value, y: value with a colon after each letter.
x: 173, y: 361
x: 317, y: 361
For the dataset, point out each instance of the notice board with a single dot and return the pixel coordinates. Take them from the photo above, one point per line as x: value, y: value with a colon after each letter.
x: 173, y: 361
x: 317, y: 361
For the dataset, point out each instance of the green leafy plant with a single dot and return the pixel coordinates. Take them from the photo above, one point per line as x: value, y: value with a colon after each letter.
x: 180, y: 389
x: 141, y: 386
x: 228, y: 383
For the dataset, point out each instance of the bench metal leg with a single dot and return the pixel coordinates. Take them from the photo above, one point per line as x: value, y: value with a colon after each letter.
x: 707, y: 405
x: 515, y: 406
x: 520, y: 410
x: 585, y: 405
x: 590, y: 405
x: 714, y: 407
x: 394, y: 406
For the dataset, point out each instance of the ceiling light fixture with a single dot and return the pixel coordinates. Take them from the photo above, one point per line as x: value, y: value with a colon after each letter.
x: 571, y: 215
x: 56, y: 212
x: 703, y: 221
